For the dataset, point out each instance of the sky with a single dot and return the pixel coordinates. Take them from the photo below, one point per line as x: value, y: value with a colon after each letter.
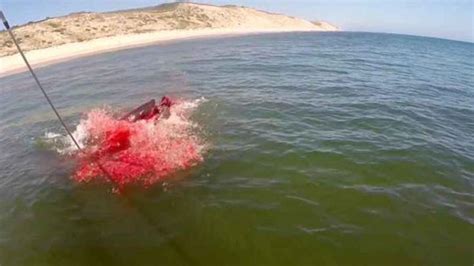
x: 450, y: 19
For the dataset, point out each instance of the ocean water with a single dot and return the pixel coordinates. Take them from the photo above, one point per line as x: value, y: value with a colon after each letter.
x: 323, y: 149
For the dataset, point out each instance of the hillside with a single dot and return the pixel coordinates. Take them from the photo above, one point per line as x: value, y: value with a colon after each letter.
x: 80, y: 27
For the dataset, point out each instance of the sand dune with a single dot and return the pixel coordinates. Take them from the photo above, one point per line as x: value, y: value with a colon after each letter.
x: 81, y: 34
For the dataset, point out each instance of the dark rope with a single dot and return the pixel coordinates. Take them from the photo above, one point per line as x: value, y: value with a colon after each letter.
x: 7, y: 26
x: 148, y: 219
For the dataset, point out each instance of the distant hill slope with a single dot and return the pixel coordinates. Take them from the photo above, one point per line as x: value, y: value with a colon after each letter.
x: 79, y: 27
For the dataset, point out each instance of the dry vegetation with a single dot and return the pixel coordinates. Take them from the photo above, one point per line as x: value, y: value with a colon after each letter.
x: 79, y: 27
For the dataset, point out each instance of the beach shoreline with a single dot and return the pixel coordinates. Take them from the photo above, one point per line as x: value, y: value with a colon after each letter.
x: 13, y: 64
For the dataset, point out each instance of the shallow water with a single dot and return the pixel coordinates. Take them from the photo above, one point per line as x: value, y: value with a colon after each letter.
x: 325, y: 149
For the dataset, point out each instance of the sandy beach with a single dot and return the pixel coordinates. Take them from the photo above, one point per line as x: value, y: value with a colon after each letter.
x: 80, y: 34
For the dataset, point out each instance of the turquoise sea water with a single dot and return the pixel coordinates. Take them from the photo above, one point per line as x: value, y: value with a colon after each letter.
x: 325, y: 149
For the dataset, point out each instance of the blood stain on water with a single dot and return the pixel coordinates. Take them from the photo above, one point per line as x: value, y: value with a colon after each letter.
x: 142, y: 152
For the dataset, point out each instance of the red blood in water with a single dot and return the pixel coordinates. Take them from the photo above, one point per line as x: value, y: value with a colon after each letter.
x: 116, y: 141
x: 143, y: 152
